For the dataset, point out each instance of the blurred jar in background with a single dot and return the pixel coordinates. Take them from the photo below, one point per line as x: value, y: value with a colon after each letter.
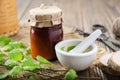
x: 8, y: 17
x: 46, y: 30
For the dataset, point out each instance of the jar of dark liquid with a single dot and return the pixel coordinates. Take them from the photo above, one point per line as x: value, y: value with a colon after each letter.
x: 46, y: 31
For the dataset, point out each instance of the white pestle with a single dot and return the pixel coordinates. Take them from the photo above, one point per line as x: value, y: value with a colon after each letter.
x: 82, y: 46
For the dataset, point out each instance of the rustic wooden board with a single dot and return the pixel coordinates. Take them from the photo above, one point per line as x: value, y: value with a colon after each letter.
x: 93, y: 72
x: 78, y: 13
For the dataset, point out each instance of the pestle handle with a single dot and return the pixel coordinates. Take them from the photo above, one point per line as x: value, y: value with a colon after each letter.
x: 87, y: 42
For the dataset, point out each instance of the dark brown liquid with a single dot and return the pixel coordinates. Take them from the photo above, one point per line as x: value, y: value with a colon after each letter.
x: 43, y: 40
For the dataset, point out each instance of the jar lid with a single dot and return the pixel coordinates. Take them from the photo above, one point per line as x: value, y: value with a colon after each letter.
x: 44, y: 13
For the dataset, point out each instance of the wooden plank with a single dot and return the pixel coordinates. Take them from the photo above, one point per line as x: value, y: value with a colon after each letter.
x: 33, y: 4
x: 70, y: 11
x: 22, y: 6
x: 79, y: 13
x: 87, y: 15
x: 108, y: 18
x: 114, y: 6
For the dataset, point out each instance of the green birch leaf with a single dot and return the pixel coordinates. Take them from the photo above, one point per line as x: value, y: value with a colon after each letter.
x: 2, y: 55
x: 70, y: 48
x: 13, y: 45
x: 11, y: 63
x: 3, y: 76
x: 4, y: 40
x: 62, y: 48
x: 28, y: 50
x: 32, y: 78
x: 31, y: 68
x: 43, y: 60
x: 15, y: 71
x: 70, y: 75
x: 15, y: 54
x: 29, y: 64
x: 27, y: 61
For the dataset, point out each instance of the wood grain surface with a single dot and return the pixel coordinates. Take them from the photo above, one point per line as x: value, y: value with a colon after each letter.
x: 82, y: 14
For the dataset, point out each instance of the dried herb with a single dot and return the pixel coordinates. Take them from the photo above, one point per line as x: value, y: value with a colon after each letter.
x: 68, y: 48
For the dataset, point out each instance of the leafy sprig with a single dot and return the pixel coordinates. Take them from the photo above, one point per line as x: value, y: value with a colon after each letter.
x: 17, y: 59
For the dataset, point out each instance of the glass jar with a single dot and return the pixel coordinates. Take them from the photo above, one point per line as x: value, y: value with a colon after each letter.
x: 46, y: 31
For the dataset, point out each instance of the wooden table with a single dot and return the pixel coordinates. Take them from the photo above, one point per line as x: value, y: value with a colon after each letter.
x: 79, y: 13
